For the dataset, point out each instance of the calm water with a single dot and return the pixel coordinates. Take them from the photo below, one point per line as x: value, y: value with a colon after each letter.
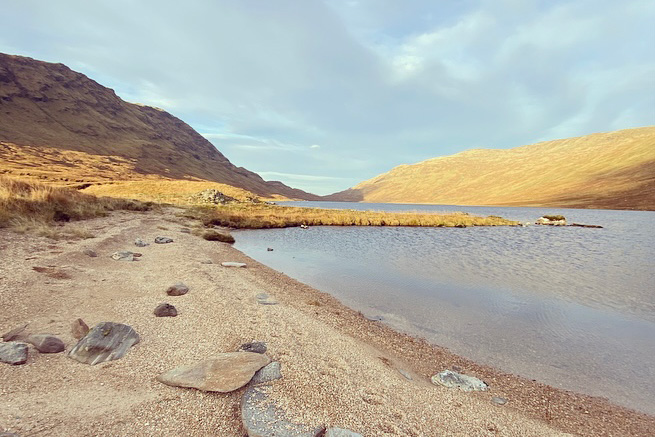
x: 571, y: 307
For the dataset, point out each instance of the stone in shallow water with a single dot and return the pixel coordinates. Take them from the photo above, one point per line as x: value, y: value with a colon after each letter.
x: 265, y: 299
x: 258, y: 347
x: 178, y: 289
x: 375, y: 318
x: 105, y: 342
x: 13, y: 352
x: 268, y: 373
x: 405, y: 374
x: 222, y: 373
x: 46, y: 344
x: 451, y: 379
x: 123, y: 255
x: 165, y: 310
x: 163, y: 240
x: 340, y: 432
x: 261, y: 418
x: 233, y: 264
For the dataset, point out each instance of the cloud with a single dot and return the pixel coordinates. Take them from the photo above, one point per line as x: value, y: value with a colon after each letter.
x: 382, y: 82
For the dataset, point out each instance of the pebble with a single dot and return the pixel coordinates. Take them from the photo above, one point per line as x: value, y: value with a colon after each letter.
x: 163, y: 240
x: 90, y: 253
x: 233, y: 264
x: 140, y: 243
x: 105, y: 342
x: 178, y: 289
x: 451, y: 379
x: 13, y: 352
x: 123, y: 255
x: 258, y: 347
x: 165, y: 310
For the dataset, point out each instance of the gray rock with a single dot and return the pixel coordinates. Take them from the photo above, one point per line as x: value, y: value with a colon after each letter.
x: 258, y: 347
x: 375, y: 318
x: 233, y: 264
x: 165, y: 310
x: 498, y: 400
x: 340, y: 432
x: 178, y: 289
x: 451, y: 379
x: 268, y: 373
x: 16, y: 334
x: 222, y: 373
x: 13, y: 352
x: 261, y: 418
x: 123, y: 255
x: 269, y: 249
x: 46, y: 343
x: 405, y: 374
x: 163, y: 240
x: 105, y: 342
x: 79, y: 329
x: 140, y: 243
x: 265, y: 299
x: 90, y: 253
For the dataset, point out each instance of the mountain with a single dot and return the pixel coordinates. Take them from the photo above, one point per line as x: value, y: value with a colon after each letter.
x: 614, y: 170
x: 65, y: 126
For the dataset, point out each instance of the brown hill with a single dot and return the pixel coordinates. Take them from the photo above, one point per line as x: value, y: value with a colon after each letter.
x: 52, y: 109
x: 614, y: 170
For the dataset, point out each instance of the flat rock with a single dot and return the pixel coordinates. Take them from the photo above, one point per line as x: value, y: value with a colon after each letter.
x: 79, y: 329
x: 15, y: 334
x: 13, y: 352
x: 207, y: 261
x: 499, y: 401
x: 90, y: 253
x: 451, y: 379
x: 123, y: 255
x: 265, y: 299
x: 222, y: 373
x: 185, y: 230
x: 405, y: 374
x: 163, y: 240
x: 233, y: 264
x: 340, y: 432
x: 105, y: 342
x: 262, y: 418
x: 46, y: 343
x: 165, y: 310
x: 140, y: 243
x: 268, y: 373
x: 258, y: 347
x: 178, y: 289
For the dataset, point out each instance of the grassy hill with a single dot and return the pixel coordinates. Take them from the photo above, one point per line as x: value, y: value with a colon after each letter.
x: 614, y: 170
x: 59, y: 125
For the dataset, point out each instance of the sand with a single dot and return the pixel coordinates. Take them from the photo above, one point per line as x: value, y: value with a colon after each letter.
x: 339, y: 369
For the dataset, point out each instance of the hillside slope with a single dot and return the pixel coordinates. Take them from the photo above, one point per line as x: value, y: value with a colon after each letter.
x: 48, y: 106
x: 614, y: 170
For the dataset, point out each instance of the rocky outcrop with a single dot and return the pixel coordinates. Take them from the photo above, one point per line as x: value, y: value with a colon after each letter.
x: 212, y: 196
x: 105, y: 342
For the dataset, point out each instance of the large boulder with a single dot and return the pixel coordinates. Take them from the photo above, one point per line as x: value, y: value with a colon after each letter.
x: 13, y: 352
x: 105, y: 342
x: 222, y: 373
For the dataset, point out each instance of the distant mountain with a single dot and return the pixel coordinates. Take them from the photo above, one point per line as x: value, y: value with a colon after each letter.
x: 46, y: 108
x: 614, y: 170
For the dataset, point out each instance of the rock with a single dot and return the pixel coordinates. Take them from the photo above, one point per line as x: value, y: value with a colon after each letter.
x: 15, y: 334
x: 46, y: 344
x: 79, y: 329
x: 163, y: 240
x: 137, y: 254
x: 405, y: 374
x: 140, y: 243
x: 375, y: 318
x: 304, y: 227
x: 340, y: 432
x: 8, y: 434
x: 105, y: 342
x: 269, y: 249
x: 262, y: 418
x: 233, y: 264
x: 13, y: 352
x: 207, y: 261
x: 178, y: 289
x: 551, y: 220
x: 90, y: 253
x: 222, y: 373
x: 165, y: 310
x: 451, y: 379
x: 586, y: 226
x: 268, y: 373
x: 265, y: 299
x: 258, y: 347
x: 185, y: 230
x: 498, y: 400
x: 123, y: 255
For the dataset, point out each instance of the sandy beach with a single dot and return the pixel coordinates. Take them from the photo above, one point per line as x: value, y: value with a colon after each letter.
x: 339, y: 369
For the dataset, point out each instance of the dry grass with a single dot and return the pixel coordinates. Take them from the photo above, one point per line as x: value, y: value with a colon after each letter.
x: 272, y: 216
x: 34, y: 207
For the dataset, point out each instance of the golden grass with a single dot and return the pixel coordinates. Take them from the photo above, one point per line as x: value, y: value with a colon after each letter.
x: 33, y: 207
x: 273, y: 216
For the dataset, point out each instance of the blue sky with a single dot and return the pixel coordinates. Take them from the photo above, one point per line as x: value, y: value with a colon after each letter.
x: 324, y: 94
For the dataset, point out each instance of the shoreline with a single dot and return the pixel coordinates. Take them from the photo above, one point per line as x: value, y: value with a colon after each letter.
x: 339, y: 369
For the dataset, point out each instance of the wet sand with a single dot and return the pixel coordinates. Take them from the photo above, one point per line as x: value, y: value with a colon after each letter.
x: 339, y: 369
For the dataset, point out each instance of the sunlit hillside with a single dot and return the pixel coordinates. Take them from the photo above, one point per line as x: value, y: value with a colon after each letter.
x: 603, y: 170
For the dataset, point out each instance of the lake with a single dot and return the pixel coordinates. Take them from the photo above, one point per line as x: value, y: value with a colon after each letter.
x: 571, y: 307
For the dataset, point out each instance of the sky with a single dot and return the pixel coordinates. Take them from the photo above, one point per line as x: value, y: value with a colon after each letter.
x: 322, y: 95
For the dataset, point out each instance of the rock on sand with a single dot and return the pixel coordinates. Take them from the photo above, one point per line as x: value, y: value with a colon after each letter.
x: 105, y: 342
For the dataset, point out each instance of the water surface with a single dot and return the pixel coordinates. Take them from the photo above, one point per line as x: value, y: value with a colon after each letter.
x: 571, y: 307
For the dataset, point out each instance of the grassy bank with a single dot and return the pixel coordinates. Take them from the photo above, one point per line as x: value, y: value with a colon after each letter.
x: 32, y: 206
x: 272, y: 216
